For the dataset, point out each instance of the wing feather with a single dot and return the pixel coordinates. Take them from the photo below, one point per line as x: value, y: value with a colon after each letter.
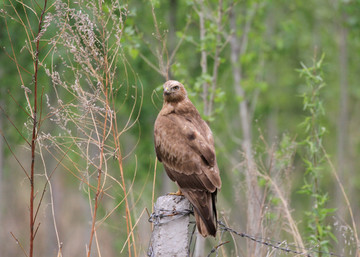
x: 194, y: 158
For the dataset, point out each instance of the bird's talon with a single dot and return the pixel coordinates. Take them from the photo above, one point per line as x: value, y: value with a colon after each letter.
x: 178, y: 193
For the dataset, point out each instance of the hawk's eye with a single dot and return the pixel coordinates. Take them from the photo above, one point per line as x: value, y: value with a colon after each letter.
x: 176, y: 88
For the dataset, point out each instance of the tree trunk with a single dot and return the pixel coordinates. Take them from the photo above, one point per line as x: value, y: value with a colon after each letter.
x: 167, y: 184
x: 203, y: 61
x: 343, y: 118
x: 1, y: 164
x: 252, y: 187
x: 172, y: 40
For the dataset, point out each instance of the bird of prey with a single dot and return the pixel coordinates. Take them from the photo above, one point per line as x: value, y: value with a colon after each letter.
x: 185, y: 145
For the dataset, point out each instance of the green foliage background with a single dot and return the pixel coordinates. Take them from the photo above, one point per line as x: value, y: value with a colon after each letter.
x: 283, y: 35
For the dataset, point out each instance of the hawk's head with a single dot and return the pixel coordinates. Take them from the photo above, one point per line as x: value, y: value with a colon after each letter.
x: 174, y: 91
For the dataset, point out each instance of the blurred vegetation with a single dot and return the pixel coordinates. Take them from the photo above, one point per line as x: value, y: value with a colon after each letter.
x: 299, y: 67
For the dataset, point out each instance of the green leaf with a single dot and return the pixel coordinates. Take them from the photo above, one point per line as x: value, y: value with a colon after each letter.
x: 262, y: 182
x: 133, y: 52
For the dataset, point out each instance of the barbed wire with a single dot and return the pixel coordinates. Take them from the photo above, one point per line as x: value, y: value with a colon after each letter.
x: 160, y: 218
x: 157, y: 219
x: 163, y: 216
x: 277, y: 244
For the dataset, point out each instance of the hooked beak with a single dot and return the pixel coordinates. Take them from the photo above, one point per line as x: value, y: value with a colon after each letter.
x: 166, y: 91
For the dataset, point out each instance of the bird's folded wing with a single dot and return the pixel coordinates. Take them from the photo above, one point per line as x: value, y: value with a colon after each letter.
x: 184, y: 150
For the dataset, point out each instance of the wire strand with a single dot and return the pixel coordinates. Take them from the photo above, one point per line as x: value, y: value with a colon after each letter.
x: 158, y: 219
x: 276, y: 244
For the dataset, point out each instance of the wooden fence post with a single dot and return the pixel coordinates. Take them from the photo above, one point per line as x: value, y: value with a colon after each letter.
x: 170, y: 236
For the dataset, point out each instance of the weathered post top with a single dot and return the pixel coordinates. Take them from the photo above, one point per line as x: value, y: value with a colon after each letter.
x: 170, y: 236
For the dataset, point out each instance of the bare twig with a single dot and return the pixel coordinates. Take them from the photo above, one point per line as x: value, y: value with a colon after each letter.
x: 215, y: 248
x: 216, y: 58
x: 34, y: 135
x: 160, y: 52
x: 18, y: 242
x: 99, y: 189
x: 15, y: 127
x: 238, y: 48
x: 333, y: 170
x: 203, y: 60
x: 14, y: 155
x: 294, y: 230
x: 48, y: 182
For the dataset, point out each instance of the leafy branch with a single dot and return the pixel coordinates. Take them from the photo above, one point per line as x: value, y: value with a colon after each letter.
x: 313, y: 157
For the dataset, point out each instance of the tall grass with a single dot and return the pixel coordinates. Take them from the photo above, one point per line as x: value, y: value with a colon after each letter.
x: 81, y: 117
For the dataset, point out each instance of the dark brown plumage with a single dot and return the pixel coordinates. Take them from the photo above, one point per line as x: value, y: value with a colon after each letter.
x: 185, y: 145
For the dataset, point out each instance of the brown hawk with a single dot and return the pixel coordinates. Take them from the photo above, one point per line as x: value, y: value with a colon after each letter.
x: 185, y: 145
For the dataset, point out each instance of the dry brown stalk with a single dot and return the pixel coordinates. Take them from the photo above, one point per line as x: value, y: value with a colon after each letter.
x: 35, y: 108
x: 34, y: 136
x: 348, y: 205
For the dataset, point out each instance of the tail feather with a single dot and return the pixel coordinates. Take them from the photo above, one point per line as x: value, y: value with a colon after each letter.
x: 204, y: 211
x: 204, y: 229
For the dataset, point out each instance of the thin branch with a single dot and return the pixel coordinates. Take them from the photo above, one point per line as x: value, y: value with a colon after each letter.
x: 14, y: 155
x: 131, y: 232
x: 18, y: 243
x: 215, y: 248
x: 216, y: 58
x: 150, y: 63
x: 24, y: 26
x: 294, y: 230
x: 51, y: 196
x: 27, y: 16
x: 203, y: 60
x: 119, y: 158
x: 12, y: 123
x: 34, y: 136
x: 12, y: 59
x: 160, y: 53
x: 333, y: 170
x: 13, y: 51
x: 172, y: 56
x: 60, y: 34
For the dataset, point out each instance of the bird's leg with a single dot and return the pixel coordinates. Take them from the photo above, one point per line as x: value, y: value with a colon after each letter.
x: 178, y: 193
